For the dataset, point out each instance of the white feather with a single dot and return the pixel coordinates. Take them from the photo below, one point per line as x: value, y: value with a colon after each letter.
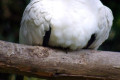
x: 72, y: 23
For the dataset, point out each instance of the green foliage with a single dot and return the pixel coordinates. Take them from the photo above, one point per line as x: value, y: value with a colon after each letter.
x: 32, y: 78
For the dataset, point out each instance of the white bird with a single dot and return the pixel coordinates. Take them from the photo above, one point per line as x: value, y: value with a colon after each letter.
x: 73, y: 24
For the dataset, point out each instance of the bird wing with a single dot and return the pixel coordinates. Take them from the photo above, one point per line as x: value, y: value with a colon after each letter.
x: 34, y: 24
x: 105, y: 19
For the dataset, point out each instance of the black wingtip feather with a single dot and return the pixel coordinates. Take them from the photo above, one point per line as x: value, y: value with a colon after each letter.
x: 46, y: 38
x: 92, y: 39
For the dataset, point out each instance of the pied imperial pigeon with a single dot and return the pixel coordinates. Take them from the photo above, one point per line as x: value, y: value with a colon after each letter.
x: 71, y: 24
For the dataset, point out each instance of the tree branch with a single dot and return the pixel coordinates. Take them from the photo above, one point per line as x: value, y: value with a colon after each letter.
x: 48, y: 62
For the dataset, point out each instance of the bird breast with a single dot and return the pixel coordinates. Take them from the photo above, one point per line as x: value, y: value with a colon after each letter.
x: 72, y: 23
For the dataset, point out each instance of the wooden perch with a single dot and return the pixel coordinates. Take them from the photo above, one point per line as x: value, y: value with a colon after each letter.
x: 48, y: 62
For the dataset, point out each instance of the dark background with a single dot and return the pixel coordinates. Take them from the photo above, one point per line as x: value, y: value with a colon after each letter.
x: 11, y: 12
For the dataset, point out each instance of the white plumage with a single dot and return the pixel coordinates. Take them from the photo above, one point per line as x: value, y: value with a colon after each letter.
x: 72, y: 23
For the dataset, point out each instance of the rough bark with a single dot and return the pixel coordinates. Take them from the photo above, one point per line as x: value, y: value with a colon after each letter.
x: 57, y: 64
